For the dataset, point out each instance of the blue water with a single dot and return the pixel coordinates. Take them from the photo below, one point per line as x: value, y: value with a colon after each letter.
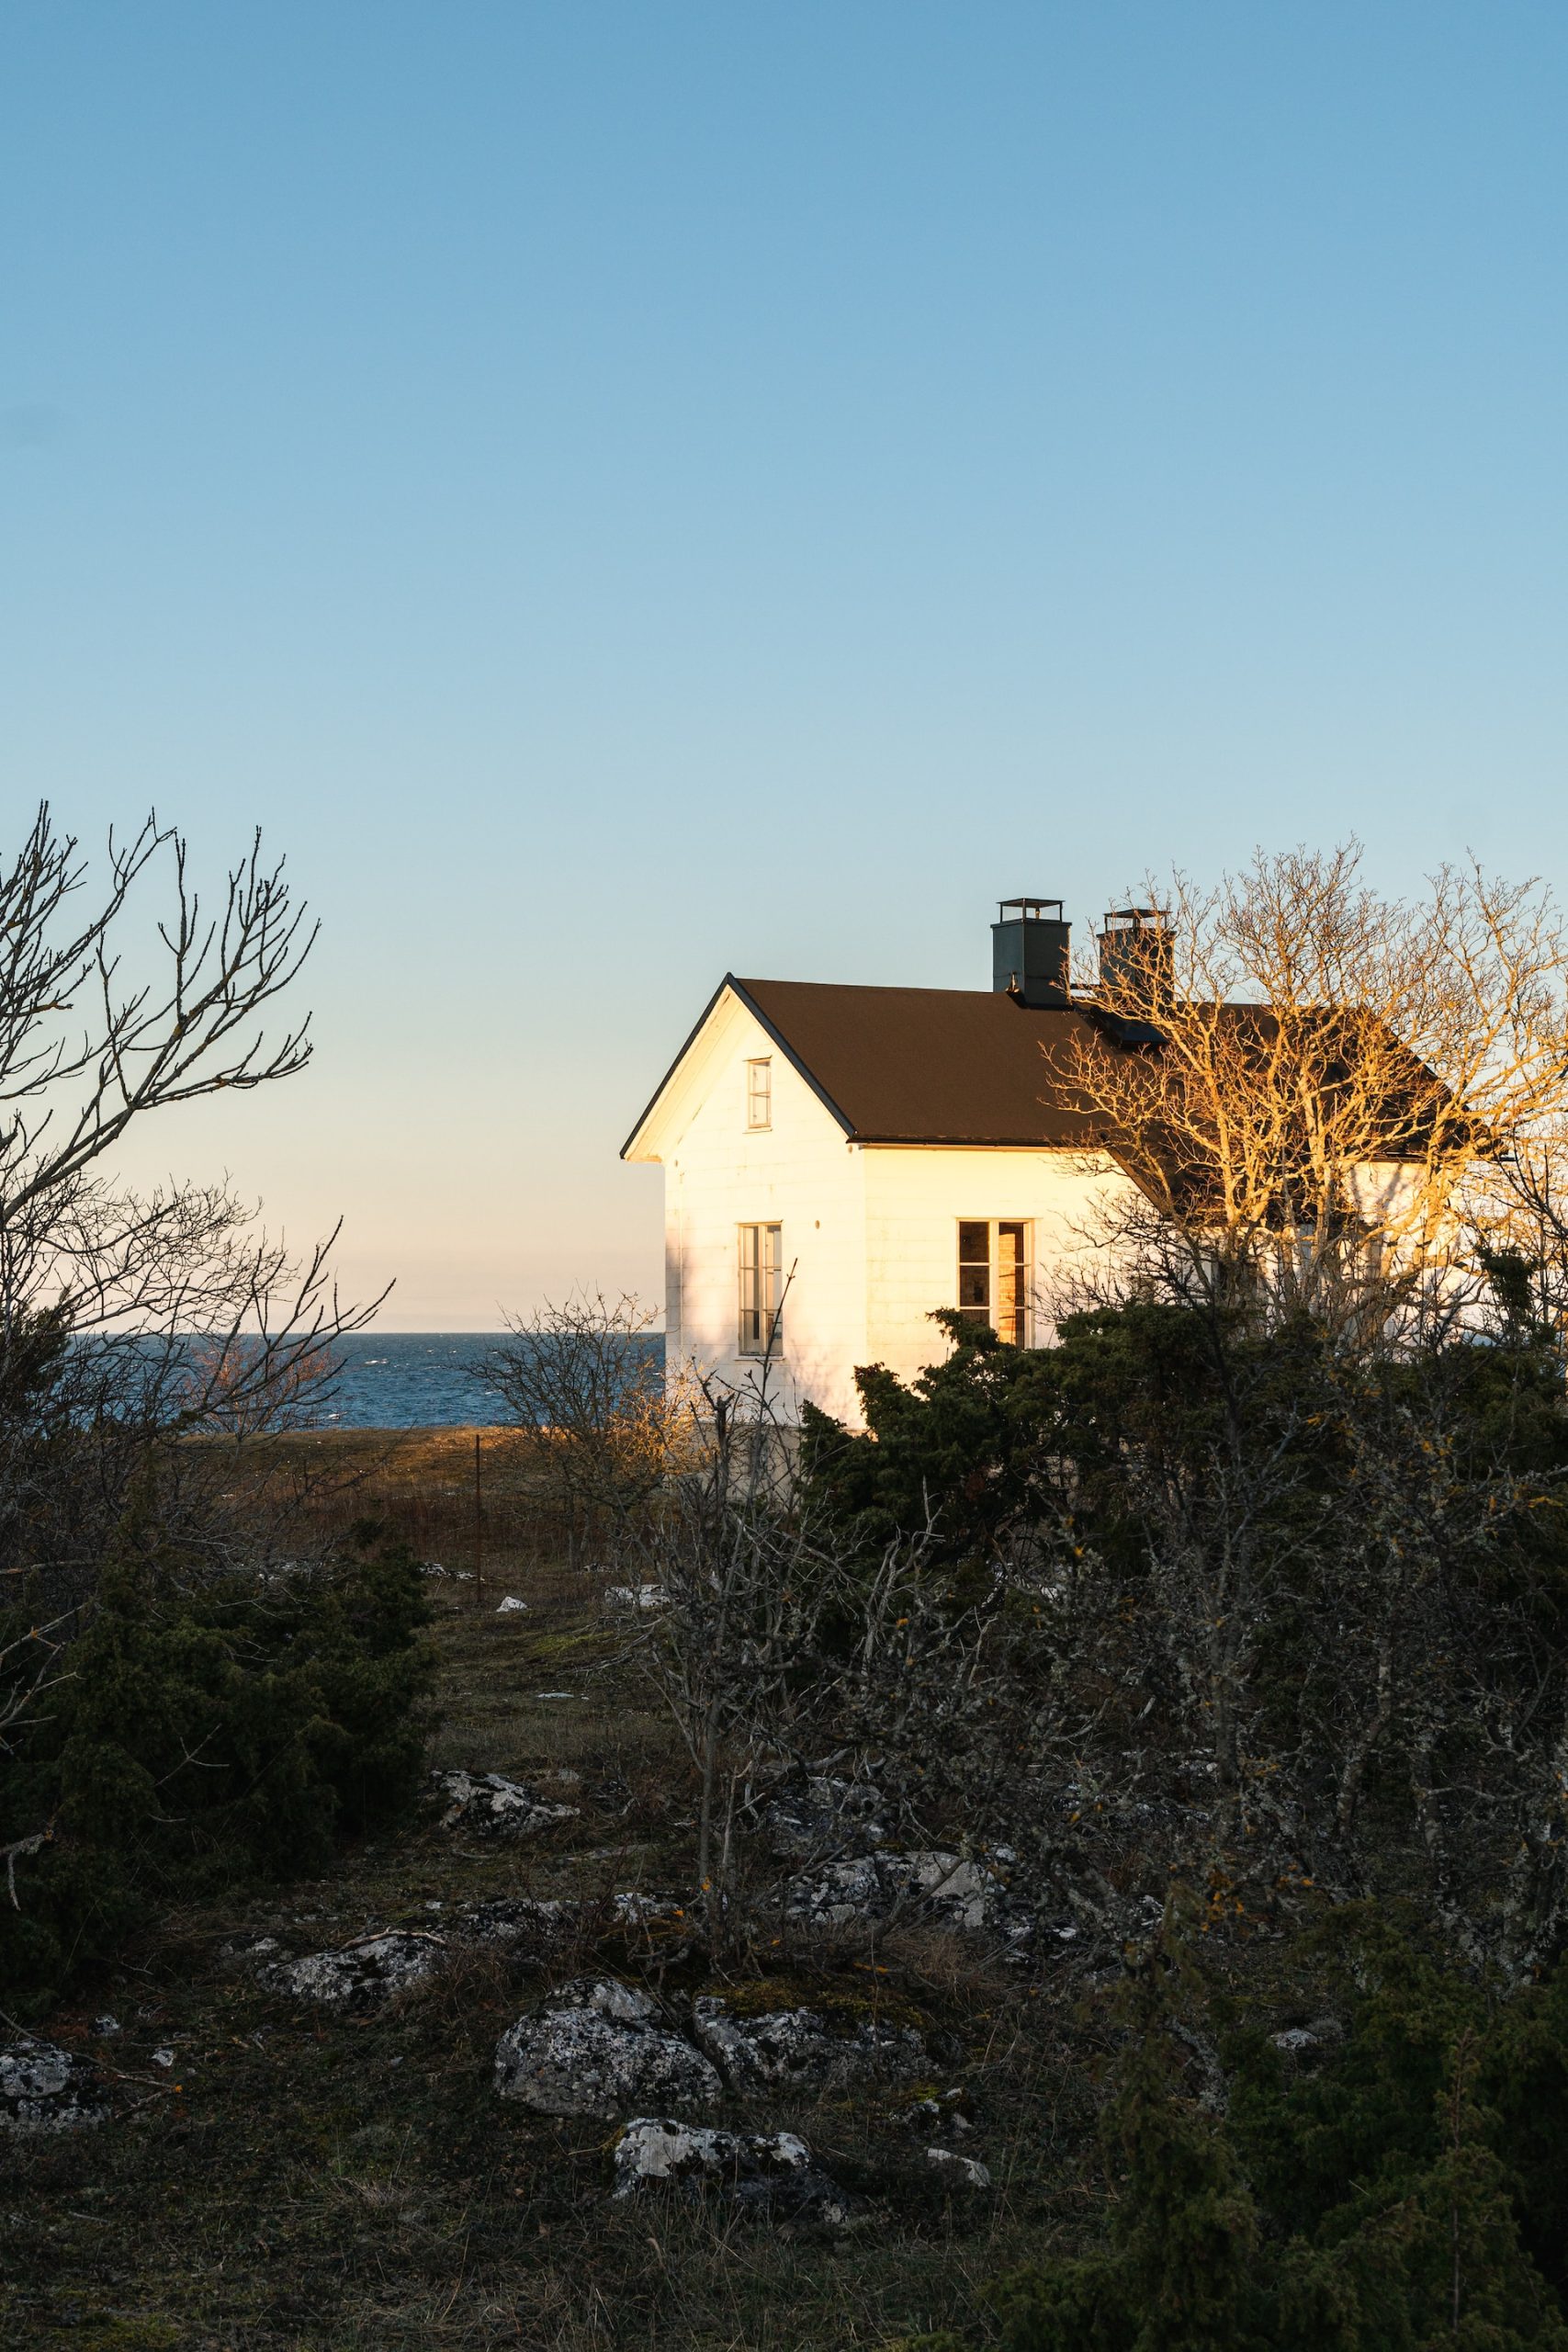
x: 403, y: 1380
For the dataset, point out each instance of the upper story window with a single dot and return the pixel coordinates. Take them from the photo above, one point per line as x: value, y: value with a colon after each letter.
x: 760, y: 1092
x: 993, y: 1275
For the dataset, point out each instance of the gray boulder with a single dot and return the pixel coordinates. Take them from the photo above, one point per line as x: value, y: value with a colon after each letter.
x: 600, y: 2048
x: 772, y: 2176
x: 45, y: 2088
x: 489, y: 1806
x: 798, y: 2049
x: 958, y: 2172
x: 948, y: 1887
x: 360, y: 1975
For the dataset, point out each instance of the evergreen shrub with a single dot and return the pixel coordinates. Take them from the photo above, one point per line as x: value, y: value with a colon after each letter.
x: 204, y: 1729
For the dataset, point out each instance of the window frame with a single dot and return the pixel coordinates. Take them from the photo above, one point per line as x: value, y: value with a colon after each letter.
x: 758, y: 1262
x: 759, y: 1066
x: 989, y: 1309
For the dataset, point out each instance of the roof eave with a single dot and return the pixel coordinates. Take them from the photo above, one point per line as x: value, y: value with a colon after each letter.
x: 742, y: 994
x: 698, y: 1025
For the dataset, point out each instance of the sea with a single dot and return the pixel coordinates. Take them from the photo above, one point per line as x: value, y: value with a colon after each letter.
x: 405, y: 1380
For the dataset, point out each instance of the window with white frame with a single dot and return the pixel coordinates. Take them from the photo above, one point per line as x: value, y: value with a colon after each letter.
x: 760, y: 1092
x: 761, y: 1286
x: 993, y: 1275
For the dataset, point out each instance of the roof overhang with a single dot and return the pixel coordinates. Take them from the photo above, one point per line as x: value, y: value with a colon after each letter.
x: 738, y: 991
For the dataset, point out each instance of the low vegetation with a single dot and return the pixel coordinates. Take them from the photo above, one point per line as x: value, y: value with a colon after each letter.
x: 1130, y: 1776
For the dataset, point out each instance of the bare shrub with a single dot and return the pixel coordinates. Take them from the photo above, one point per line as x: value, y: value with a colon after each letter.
x: 582, y: 1383
x: 1314, y: 1087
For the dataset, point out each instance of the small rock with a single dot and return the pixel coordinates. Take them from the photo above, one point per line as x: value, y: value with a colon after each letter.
x: 825, y: 1818
x: 596, y: 2047
x: 164, y: 2056
x: 249, y: 1947
x: 774, y: 2174
x: 496, y: 1807
x: 875, y: 1886
x: 512, y: 1919
x: 510, y: 1605
x: 360, y: 1975
x: 634, y: 1910
x: 800, y: 2049
x: 45, y: 2088
x: 964, y: 2172
x: 635, y: 1596
x: 105, y: 2028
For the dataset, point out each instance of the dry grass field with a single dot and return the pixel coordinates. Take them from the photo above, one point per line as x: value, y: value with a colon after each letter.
x: 296, y: 2179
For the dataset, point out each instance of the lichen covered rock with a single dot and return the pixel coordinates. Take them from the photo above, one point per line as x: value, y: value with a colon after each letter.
x: 949, y: 1887
x: 360, y: 1975
x: 490, y: 1806
x: 513, y: 1922
x: 771, y: 2174
x: 800, y: 2049
x: 600, y: 2048
x: 634, y: 1910
x: 958, y: 2172
x: 45, y: 2088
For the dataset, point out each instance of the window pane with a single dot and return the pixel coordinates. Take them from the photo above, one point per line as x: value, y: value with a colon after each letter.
x: 974, y: 1245
x: 1011, y: 1283
x: 750, y: 1320
x: 974, y: 1287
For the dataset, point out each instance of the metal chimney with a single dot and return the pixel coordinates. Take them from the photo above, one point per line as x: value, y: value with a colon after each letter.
x: 1030, y: 944
x: 1137, y: 952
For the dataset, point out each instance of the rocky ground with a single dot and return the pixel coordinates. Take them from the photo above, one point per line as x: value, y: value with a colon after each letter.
x: 489, y: 2083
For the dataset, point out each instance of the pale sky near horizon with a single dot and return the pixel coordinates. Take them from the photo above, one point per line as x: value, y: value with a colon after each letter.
x: 623, y: 492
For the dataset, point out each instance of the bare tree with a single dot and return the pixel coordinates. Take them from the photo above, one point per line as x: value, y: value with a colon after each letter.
x: 1313, y: 1086
x: 126, y: 1314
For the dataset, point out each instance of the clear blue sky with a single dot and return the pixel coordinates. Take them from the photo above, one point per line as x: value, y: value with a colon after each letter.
x: 624, y: 490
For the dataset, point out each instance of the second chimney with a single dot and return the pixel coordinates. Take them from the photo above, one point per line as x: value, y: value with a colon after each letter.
x: 1029, y: 944
x: 1137, y: 952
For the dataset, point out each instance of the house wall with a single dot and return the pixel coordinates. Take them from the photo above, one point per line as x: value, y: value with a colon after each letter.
x: 801, y: 1174
x: 914, y: 1200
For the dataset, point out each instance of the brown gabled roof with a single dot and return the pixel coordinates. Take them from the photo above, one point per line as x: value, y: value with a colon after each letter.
x: 929, y: 1066
x: 959, y: 1066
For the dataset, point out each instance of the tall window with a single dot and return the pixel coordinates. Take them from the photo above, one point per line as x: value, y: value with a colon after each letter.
x: 759, y: 1093
x: 993, y: 1275
x: 761, y: 1260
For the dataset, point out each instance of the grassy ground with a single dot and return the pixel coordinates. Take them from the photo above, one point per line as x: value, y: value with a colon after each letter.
x: 296, y: 2180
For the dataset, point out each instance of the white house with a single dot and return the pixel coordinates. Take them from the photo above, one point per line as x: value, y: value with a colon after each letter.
x: 859, y: 1155
x: 839, y: 1161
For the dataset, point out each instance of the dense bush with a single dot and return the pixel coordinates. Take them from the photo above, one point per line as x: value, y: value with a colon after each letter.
x: 202, y: 1727
x: 1303, y: 1606
x: 1397, y: 2186
x: 1304, y: 1612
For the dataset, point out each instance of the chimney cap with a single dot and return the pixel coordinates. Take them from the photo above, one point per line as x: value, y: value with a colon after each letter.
x: 1029, y: 909
x: 1136, y: 918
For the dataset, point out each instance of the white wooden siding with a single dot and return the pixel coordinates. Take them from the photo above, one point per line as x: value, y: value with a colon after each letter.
x: 915, y: 1198
x: 798, y: 1173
